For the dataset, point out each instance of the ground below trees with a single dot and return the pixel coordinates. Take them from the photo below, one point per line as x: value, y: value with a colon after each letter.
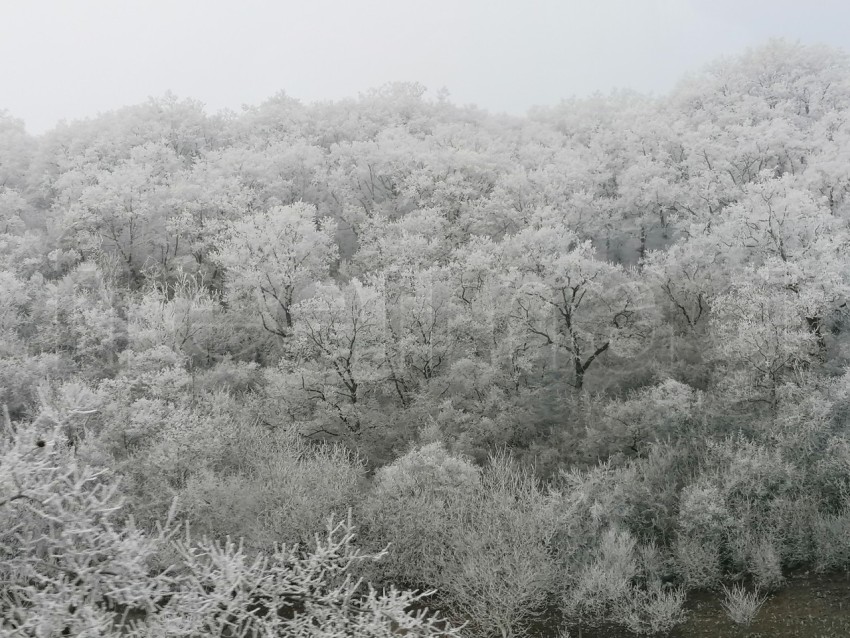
x: 809, y: 606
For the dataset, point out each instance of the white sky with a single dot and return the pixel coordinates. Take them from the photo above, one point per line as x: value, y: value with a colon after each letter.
x: 74, y: 58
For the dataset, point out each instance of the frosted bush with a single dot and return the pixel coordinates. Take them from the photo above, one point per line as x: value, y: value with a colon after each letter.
x: 283, y: 492
x: 430, y: 468
x: 742, y: 606
x: 703, y: 512
x: 831, y: 541
x: 496, y: 568
x: 481, y: 538
x: 605, y: 581
x: 698, y: 562
x: 654, y: 564
x: 766, y: 565
x: 652, y: 611
x: 71, y: 566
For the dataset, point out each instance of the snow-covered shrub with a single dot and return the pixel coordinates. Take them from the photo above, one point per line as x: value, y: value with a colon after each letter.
x: 72, y: 565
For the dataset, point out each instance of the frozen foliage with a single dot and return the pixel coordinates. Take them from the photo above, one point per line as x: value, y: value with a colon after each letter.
x: 70, y: 565
x: 742, y: 606
x: 578, y: 362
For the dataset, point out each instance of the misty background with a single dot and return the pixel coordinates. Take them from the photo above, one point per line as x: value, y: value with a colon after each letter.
x: 69, y: 60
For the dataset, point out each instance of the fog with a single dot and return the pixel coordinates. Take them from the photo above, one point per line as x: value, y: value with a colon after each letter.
x: 75, y: 59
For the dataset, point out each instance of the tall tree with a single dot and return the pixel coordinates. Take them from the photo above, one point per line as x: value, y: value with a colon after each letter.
x: 568, y: 300
x: 273, y: 257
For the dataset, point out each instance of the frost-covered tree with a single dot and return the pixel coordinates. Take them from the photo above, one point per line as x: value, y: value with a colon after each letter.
x: 273, y: 257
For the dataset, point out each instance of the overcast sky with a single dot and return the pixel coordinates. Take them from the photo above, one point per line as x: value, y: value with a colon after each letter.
x: 65, y: 59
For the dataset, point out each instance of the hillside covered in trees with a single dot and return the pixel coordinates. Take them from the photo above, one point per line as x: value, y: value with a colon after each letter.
x: 577, y: 364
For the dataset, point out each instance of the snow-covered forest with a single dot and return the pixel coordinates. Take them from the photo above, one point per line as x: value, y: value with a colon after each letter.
x: 568, y: 369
